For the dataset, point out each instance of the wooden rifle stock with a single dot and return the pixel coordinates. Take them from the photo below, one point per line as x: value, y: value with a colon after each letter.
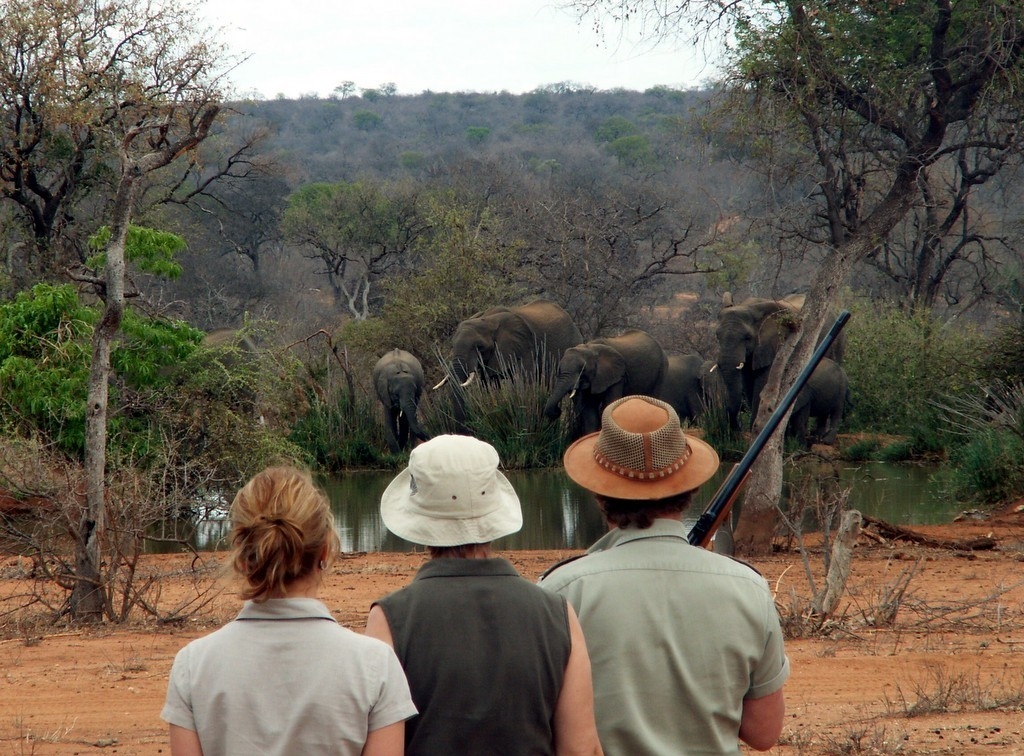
x: 721, y: 503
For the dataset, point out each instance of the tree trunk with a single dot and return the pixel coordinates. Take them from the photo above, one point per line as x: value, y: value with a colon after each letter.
x: 763, y: 490
x: 88, y: 597
x: 839, y: 564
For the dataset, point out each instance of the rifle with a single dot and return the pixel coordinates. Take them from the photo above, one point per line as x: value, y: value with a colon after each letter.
x: 721, y: 503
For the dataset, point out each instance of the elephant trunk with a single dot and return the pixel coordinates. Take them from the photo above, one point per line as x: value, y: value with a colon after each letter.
x: 407, y: 405
x: 731, y: 375
x: 563, y: 387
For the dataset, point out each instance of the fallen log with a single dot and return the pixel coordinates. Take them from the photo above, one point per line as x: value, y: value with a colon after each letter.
x: 896, y: 533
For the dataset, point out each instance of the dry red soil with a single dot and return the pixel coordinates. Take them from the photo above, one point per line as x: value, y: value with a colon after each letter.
x: 946, y: 676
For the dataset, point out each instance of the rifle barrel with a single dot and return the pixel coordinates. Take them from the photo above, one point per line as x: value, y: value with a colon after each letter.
x: 723, y: 497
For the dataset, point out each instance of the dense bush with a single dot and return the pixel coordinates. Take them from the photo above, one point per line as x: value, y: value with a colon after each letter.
x: 902, y: 368
x: 175, y: 405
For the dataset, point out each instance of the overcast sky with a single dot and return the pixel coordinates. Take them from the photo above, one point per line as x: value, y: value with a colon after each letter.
x: 302, y: 47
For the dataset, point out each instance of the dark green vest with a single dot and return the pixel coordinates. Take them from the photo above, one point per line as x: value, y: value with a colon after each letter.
x: 485, y: 653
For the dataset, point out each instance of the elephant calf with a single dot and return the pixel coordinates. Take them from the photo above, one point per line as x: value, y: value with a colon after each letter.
x: 823, y: 398
x: 398, y: 379
x: 682, y: 386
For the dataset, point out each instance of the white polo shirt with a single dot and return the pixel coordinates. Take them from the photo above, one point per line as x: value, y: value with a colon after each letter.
x: 285, y: 678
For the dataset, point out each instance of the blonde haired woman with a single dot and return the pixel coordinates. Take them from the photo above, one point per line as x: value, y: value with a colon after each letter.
x: 284, y: 677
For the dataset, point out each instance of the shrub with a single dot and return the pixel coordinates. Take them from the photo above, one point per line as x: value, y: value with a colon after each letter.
x: 988, y: 464
x: 901, y: 369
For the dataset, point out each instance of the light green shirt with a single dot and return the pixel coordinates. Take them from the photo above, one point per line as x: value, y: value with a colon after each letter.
x: 285, y: 678
x: 678, y: 636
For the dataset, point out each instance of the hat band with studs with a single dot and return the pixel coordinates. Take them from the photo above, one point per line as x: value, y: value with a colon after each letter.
x: 631, y: 474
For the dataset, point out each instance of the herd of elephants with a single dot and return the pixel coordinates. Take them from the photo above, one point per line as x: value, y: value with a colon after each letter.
x: 539, y: 337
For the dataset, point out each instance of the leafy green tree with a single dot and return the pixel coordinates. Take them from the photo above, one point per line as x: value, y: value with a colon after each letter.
x: 465, y: 252
x: 477, y: 134
x: 615, y: 127
x: 99, y: 93
x: 632, y: 151
x: 366, y: 120
x: 359, y: 232
x: 345, y: 89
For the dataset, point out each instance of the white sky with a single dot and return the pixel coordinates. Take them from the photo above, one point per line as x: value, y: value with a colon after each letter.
x: 302, y: 47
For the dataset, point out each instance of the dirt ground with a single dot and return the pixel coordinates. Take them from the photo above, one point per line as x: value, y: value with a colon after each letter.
x: 945, y: 676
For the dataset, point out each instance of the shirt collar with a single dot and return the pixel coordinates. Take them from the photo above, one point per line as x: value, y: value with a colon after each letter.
x: 660, y: 528
x: 285, y: 609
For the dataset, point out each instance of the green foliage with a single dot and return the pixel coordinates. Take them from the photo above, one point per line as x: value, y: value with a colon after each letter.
x: 351, y: 219
x: 898, y: 451
x: 477, y: 134
x: 366, y: 120
x: 632, y: 151
x: 862, y: 450
x: 733, y: 263
x: 1003, y: 359
x: 510, y: 416
x: 151, y: 250
x: 44, y: 363
x: 343, y: 432
x: 42, y: 319
x: 169, y: 397
x: 615, y: 127
x: 149, y: 347
x: 663, y: 92
x: 412, y: 160
x: 988, y: 468
x: 902, y: 367
x: 987, y: 460
x: 462, y: 254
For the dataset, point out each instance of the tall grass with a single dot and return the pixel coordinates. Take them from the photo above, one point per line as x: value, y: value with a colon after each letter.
x: 344, y: 430
x: 510, y: 416
x: 987, y: 465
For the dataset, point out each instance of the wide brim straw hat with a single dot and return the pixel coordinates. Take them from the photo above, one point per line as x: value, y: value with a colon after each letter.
x: 640, y: 453
x: 451, y: 494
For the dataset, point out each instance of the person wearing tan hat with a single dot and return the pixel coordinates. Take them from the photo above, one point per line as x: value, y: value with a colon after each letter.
x: 494, y: 663
x: 685, y: 645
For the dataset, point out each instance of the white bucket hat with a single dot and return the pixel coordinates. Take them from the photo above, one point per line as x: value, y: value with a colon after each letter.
x: 451, y: 494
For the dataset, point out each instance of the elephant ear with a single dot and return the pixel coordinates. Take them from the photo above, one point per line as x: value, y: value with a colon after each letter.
x: 515, y: 336
x: 610, y: 369
x: 773, y: 331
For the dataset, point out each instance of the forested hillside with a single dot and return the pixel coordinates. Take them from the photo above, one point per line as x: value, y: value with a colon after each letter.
x: 648, y: 188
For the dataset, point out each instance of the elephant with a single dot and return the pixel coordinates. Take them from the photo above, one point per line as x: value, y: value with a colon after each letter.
x: 749, y: 334
x: 398, y: 379
x: 712, y: 387
x: 823, y: 398
x: 682, y: 386
x: 600, y: 371
x: 500, y: 341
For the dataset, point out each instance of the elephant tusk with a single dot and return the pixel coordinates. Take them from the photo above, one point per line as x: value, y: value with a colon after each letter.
x: 470, y: 379
x: 713, y: 368
x: 740, y: 366
x: 572, y: 394
x: 440, y: 384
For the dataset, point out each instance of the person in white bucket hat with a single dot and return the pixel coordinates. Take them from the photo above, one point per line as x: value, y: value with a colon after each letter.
x: 495, y: 664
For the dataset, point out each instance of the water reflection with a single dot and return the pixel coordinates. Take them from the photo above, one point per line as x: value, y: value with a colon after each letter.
x: 557, y: 514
